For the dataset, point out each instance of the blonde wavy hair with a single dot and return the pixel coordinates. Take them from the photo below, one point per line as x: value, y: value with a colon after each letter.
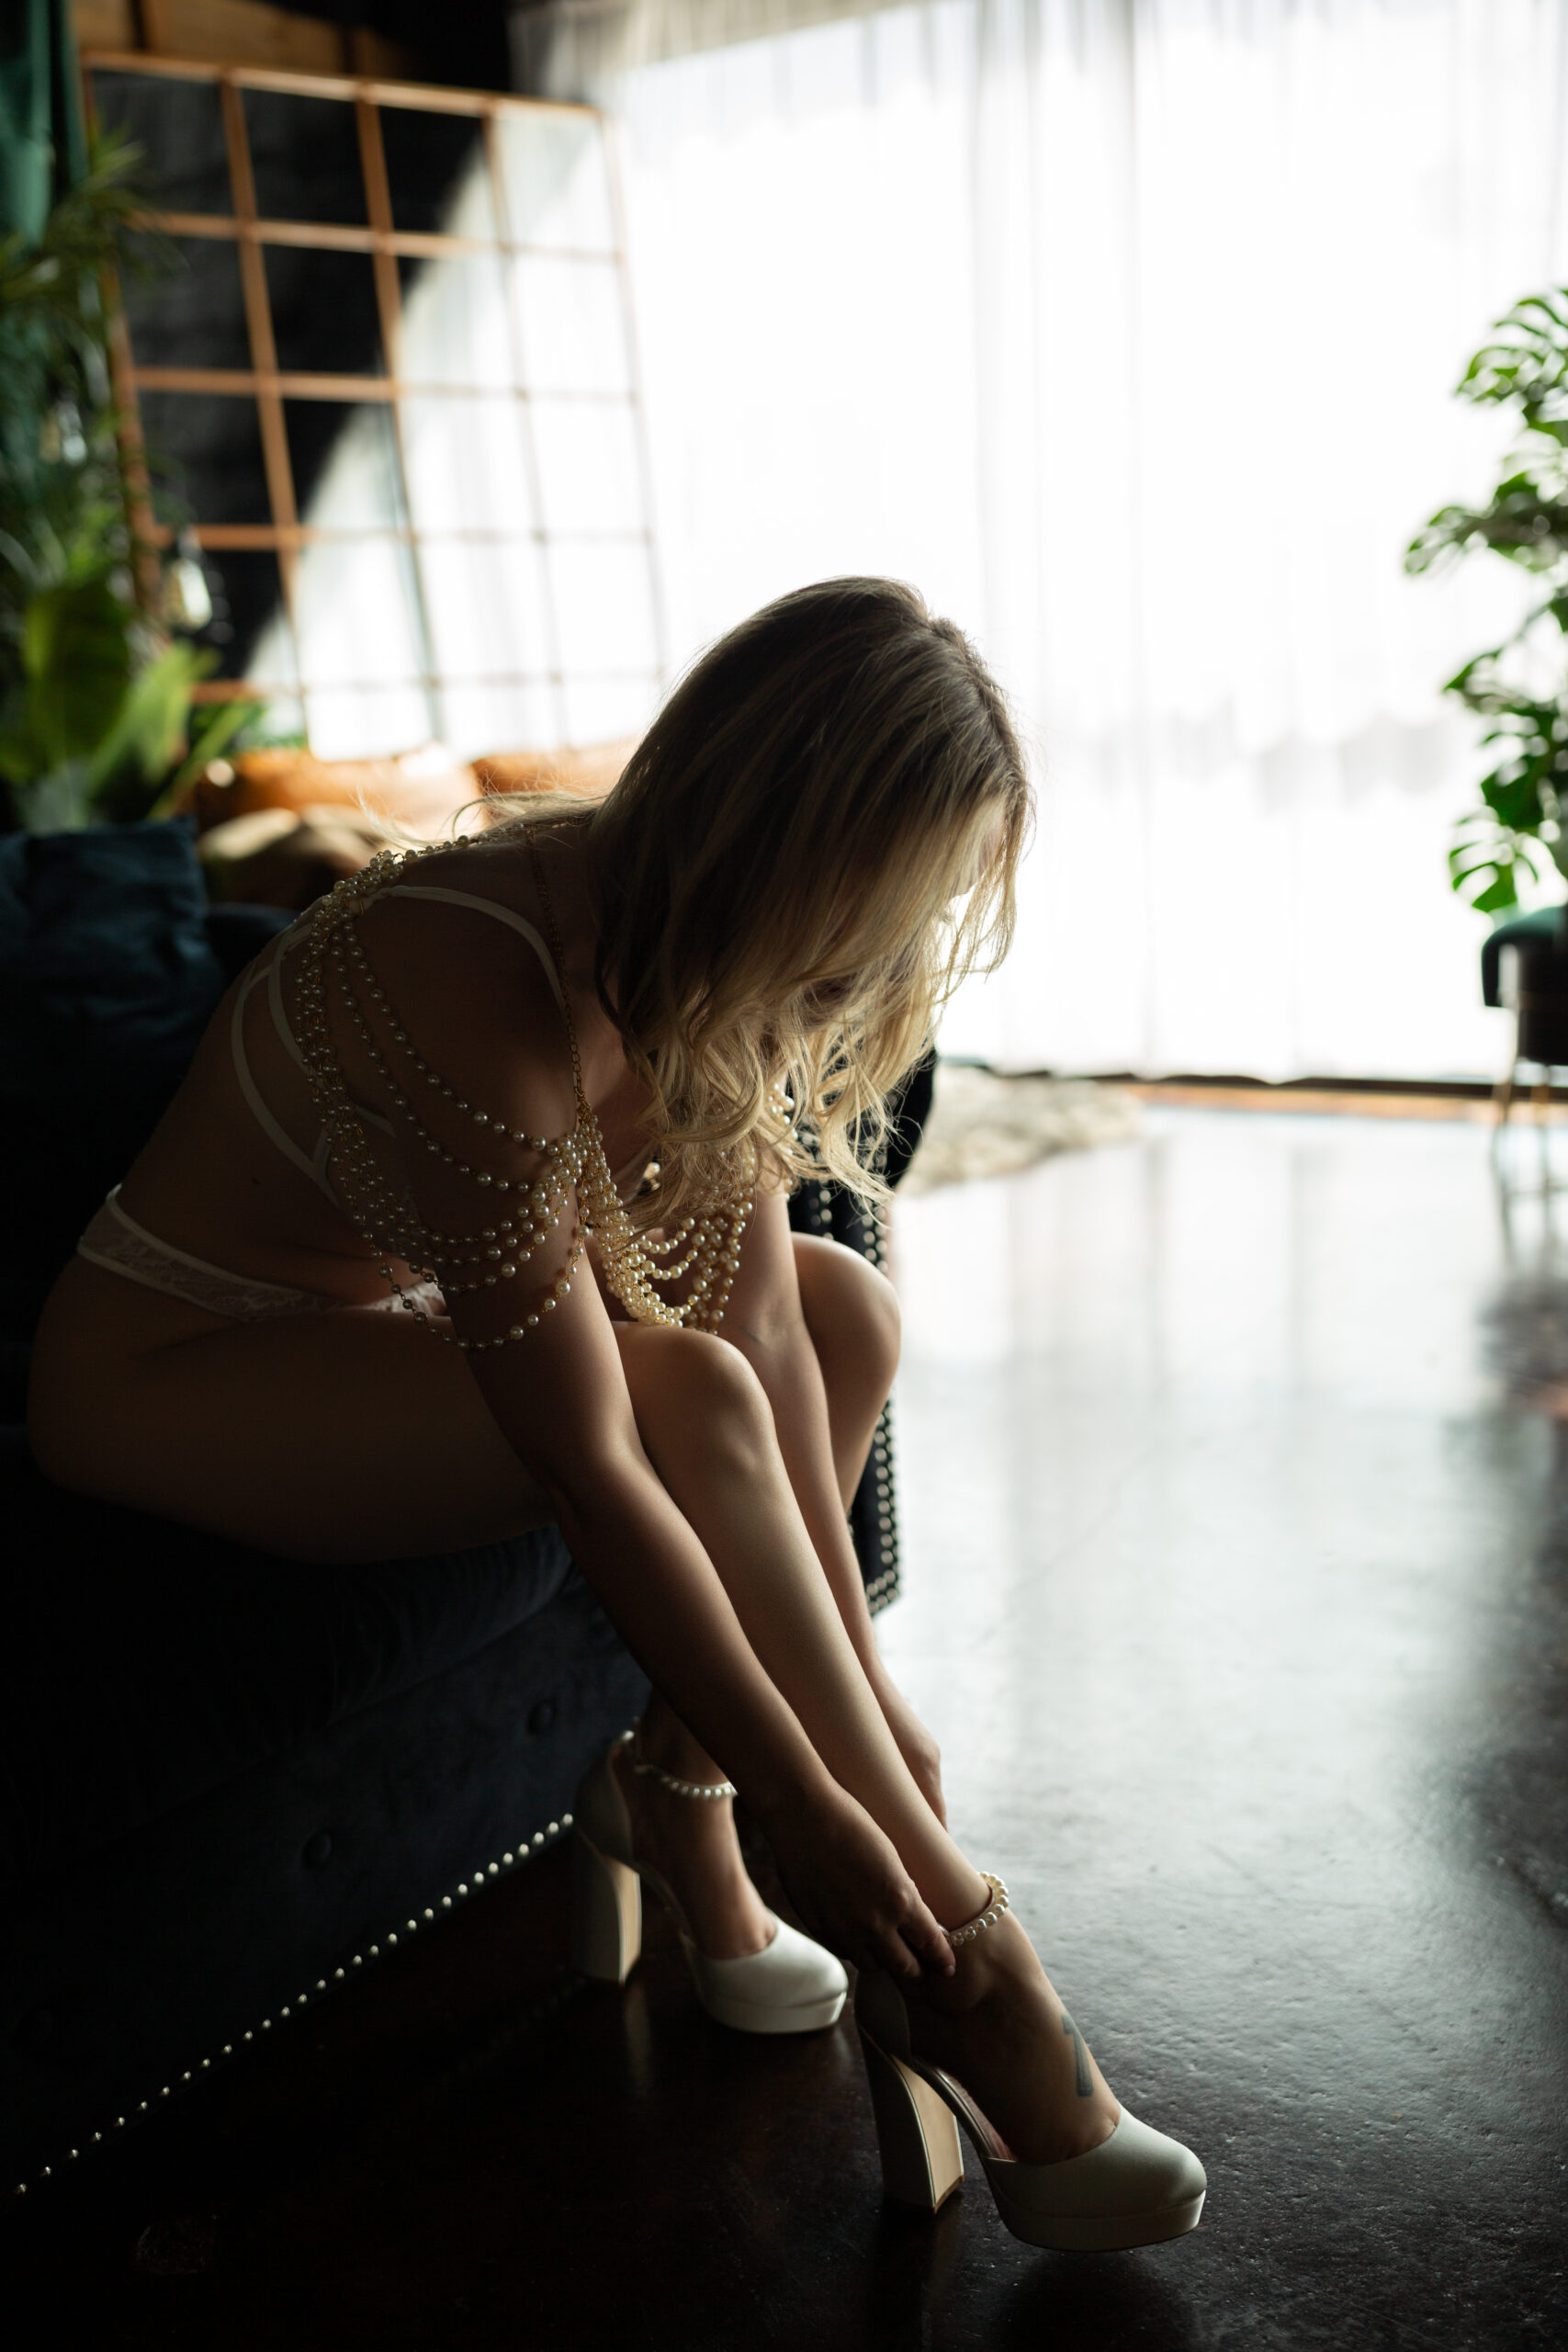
x: 816, y: 840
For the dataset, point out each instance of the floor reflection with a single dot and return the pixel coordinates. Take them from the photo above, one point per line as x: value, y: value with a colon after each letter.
x: 1235, y: 1595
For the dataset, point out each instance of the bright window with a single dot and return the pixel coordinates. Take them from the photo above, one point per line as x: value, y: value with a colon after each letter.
x: 392, y: 388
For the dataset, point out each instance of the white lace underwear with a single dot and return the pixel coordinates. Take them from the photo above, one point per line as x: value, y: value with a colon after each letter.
x: 114, y: 1240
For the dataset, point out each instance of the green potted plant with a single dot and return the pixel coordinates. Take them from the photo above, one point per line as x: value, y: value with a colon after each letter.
x: 97, y: 715
x: 1520, y: 687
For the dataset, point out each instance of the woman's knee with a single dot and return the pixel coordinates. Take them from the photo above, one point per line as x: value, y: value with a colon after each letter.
x: 851, y: 1308
x: 689, y: 1391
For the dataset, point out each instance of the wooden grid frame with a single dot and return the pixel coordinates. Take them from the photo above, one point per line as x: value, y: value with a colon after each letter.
x: 285, y: 535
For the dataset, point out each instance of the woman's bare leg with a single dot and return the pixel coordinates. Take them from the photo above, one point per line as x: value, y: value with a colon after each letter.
x: 346, y: 1435
x: 350, y: 1435
x: 709, y: 1430
x: 997, y: 2024
x: 851, y: 1316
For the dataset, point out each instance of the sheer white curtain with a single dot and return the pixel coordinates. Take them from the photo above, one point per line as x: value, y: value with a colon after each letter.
x: 1126, y: 329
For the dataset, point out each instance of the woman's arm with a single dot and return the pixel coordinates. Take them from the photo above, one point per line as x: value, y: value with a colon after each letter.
x: 765, y: 1320
x: 559, y: 1396
x: 479, y: 1010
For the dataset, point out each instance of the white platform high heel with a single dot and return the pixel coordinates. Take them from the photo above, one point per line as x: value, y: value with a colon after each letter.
x: 1138, y: 2188
x: 792, y: 1985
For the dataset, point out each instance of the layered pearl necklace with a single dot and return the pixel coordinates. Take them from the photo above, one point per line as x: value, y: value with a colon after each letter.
x: 702, y: 1250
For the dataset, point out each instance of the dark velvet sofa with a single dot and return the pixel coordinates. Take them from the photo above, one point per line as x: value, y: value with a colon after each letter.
x: 227, y: 1782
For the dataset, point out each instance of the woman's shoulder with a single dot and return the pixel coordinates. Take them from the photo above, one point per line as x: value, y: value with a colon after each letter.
x: 458, y: 942
x: 488, y: 865
x: 490, y: 884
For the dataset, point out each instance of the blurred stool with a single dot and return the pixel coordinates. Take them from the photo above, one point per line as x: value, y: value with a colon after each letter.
x: 1524, y: 967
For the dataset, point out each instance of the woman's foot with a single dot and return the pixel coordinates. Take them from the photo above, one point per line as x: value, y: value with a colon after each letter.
x: 998, y: 2028
x: 691, y: 1843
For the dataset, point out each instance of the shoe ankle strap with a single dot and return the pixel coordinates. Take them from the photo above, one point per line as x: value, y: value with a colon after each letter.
x: 712, y: 1790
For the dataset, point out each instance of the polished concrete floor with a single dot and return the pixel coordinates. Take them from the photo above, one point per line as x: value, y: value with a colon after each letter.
x: 1237, y: 1590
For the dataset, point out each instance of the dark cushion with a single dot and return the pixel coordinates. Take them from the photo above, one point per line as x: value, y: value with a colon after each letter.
x: 104, y: 953
x: 908, y: 1110
x: 121, y: 1979
x: 61, y: 1154
x: 236, y: 934
x: 111, y: 963
x: 143, y: 1664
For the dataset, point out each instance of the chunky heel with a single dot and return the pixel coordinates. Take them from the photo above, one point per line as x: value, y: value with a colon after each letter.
x: 792, y: 1985
x: 922, y: 2160
x: 606, y: 1915
x: 1135, y: 2188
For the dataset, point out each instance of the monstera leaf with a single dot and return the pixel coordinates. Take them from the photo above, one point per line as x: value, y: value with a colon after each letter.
x: 1522, y: 821
x: 1525, y: 519
x: 1527, y: 362
x: 1523, y: 799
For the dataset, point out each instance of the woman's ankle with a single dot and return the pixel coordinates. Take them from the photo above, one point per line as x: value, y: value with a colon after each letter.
x: 992, y: 1964
x: 663, y: 1739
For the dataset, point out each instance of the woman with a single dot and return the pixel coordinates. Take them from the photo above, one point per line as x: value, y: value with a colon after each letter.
x: 541, y: 1091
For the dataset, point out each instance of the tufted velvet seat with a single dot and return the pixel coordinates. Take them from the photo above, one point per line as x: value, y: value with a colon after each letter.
x: 225, y: 1777
x: 147, y: 1664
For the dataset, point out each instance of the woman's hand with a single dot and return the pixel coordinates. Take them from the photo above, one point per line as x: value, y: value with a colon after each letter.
x: 917, y: 1747
x: 844, y: 1877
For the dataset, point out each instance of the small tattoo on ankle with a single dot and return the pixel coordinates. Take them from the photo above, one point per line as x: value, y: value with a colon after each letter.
x: 1082, y: 2080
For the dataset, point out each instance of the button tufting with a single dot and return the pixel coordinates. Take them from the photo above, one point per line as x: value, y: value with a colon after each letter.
x: 39, y: 2024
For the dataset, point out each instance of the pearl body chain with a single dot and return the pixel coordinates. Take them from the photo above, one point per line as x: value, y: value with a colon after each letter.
x: 706, y: 1246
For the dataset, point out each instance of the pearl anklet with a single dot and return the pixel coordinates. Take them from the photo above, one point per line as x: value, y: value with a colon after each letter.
x: 712, y: 1790
x: 1000, y: 1901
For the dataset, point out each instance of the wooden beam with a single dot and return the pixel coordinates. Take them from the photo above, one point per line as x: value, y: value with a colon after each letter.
x: 372, y: 53
x: 245, y: 689
x: 261, y: 383
x: 244, y: 32
x: 418, y: 244
x: 106, y: 24
x: 262, y: 535
x: 239, y: 32
x: 379, y: 210
x: 301, y: 385
x: 275, y: 460
x: 423, y: 97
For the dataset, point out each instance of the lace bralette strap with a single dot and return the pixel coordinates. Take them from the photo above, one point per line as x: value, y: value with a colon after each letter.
x: 552, y: 934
